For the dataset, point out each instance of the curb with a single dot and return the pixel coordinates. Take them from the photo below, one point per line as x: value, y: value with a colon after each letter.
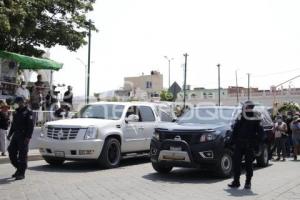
x: 30, y: 158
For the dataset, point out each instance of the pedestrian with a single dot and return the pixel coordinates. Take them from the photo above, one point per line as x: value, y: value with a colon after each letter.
x: 295, y: 127
x: 4, y: 124
x: 289, y: 143
x: 68, y: 96
x: 247, y: 135
x: 37, y: 97
x: 22, y: 91
x: 281, y: 136
x: 19, y: 135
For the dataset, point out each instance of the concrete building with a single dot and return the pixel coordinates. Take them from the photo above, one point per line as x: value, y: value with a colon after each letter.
x: 229, y: 96
x: 151, y: 84
x: 202, y: 94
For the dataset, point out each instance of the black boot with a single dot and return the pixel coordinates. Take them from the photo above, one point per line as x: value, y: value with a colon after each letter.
x: 248, y: 184
x: 15, y: 174
x: 20, y: 177
x: 234, y: 184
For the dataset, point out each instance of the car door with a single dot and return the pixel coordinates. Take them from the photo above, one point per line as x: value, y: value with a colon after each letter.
x: 132, y: 132
x: 147, y: 125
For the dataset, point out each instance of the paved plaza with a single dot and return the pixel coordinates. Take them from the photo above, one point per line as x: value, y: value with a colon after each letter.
x: 136, y: 180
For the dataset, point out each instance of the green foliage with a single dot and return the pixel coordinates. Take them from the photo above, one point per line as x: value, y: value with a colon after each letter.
x: 166, y: 96
x: 289, y: 107
x: 28, y: 26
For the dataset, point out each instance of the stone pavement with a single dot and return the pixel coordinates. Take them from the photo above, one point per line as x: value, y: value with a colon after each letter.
x: 136, y: 180
x: 33, y: 155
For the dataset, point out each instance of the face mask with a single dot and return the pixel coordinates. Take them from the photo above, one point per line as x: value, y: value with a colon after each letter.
x: 23, y: 86
x: 16, y: 106
x: 279, y: 120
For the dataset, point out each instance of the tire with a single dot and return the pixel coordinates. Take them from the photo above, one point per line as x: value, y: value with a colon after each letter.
x: 263, y: 159
x: 224, y: 168
x: 111, y: 154
x: 161, y: 169
x: 54, y: 161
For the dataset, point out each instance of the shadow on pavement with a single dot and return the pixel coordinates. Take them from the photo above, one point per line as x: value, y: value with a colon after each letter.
x: 85, y: 166
x: 186, y: 175
x: 183, y: 175
x: 240, y: 193
x: 5, y: 181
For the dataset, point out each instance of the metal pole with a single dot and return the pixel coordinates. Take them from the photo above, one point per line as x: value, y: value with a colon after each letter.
x: 169, y: 73
x: 248, y: 86
x: 169, y: 62
x: 89, y: 63
x: 237, y: 87
x: 219, y: 84
x: 184, y: 84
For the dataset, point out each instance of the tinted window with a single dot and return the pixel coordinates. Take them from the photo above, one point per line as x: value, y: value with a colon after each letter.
x: 105, y: 111
x: 165, y: 117
x: 208, y: 116
x: 147, y: 114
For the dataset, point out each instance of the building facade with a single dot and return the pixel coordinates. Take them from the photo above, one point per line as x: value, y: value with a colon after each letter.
x: 151, y: 84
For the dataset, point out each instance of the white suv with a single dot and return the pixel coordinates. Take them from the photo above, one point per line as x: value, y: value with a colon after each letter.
x: 102, y: 131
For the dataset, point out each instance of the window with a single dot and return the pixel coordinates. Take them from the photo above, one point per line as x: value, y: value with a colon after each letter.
x: 147, y: 114
x: 104, y: 111
x: 148, y: 84
x: 165, y: 117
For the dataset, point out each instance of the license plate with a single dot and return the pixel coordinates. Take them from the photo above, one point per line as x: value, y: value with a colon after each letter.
x: 175, y: 149
x: 59, y: 154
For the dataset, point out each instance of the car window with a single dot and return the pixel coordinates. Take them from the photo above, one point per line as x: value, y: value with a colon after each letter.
x: 208, y: 115
x: 164, y: 117
x: 105, y: 111
x: 147, y: 114
x: 134, y: 110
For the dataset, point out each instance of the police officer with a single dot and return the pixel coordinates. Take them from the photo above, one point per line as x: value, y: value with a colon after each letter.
x: 20, y: 134
x: 247, y: 133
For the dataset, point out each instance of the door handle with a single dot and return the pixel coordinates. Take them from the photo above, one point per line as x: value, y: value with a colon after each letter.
x: 141, y: 128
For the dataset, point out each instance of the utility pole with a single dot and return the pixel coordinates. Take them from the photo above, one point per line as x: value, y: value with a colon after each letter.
x: 184, y: 84
x: 248, y: 86
x: 169, y: 61
x: 237, y: 87
x: 89, y: 63
x: 219, y: 84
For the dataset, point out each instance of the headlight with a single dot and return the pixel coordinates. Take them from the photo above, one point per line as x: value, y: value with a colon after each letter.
x: 208, y: 137
x: 156, y: 135
x: 43, y: 131
x: 91, y: 133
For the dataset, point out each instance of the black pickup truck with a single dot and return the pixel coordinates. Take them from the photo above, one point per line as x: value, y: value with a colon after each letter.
x: 201, y: 139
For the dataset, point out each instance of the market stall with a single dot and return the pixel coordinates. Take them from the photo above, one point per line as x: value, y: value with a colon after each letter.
x: 12, y: 67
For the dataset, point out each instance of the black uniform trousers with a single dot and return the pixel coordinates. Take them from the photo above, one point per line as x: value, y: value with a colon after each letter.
x: 18, y: 152
x: 247, y: 150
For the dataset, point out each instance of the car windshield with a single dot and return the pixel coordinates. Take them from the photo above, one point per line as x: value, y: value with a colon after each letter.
x: 208, y: 116
x: 103, y: 111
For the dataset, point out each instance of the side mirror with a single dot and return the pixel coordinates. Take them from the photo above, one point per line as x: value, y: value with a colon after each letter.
x: 132, y: 118
x: 174, y: 120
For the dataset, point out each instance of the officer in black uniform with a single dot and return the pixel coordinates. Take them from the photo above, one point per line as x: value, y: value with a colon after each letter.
x: 20, y: 134
x: 247, y: 134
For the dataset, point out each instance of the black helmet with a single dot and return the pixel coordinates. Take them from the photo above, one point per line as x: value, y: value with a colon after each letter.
x: 248, y: 104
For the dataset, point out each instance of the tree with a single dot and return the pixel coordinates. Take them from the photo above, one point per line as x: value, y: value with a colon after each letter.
x: 289, y: 107
x: 29, y: 26
x: 166, y: 96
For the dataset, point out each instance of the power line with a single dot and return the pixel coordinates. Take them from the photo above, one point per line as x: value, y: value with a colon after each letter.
x: 275, y: 73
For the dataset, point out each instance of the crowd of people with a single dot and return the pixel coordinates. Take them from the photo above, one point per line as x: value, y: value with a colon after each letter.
x: 287, y: 136
x: 36, y: 98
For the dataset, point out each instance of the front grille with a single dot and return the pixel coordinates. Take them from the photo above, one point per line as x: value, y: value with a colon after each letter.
x: 62, y: 133
x: 191, y: 137
x: 185, y: 137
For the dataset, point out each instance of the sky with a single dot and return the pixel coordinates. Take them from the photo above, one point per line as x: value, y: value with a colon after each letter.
x: 260, y: 37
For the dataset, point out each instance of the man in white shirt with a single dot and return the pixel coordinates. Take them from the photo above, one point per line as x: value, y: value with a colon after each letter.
x: 22, y: 91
